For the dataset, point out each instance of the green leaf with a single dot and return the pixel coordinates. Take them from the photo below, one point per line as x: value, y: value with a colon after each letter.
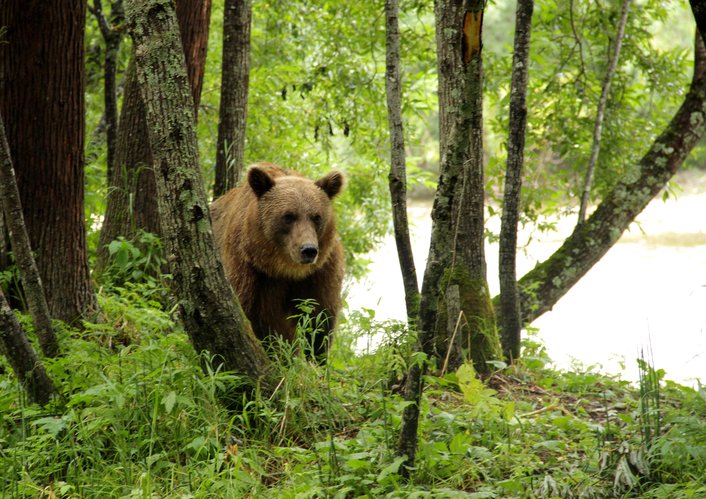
x: 391, y: 468
x: 169, y: 400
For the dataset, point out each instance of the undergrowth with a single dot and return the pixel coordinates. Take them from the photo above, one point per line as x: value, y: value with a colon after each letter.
x: 137, y: 417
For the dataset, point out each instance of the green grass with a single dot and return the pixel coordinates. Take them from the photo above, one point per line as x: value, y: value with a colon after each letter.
x: 139, y: 418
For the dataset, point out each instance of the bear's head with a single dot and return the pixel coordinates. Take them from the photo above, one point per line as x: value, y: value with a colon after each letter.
x: 295, y: 220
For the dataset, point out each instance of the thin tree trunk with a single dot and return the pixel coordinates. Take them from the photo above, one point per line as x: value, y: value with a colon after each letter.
x: 543, y: 286
x: 600, y: 112
x: 22, y: 357
x: 32, y: 283
x: 208, y: 307
x: 510, y: 316
x: 456, y: 264
x: 477, y: 333
x: 398, y: 169
x: 42, y: 96
x: 235, y: 81
x: 112, y: 34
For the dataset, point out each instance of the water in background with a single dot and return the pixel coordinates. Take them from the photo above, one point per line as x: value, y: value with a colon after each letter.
x: 648, y: 293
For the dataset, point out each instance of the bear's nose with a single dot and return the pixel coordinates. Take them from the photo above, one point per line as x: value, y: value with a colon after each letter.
x: 309, y: 253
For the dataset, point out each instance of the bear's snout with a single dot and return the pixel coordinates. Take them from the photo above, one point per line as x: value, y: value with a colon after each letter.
x: 308, y: 253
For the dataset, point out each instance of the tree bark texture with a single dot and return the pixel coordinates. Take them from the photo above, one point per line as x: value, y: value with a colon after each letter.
x: 600, y: 111
x: 510, y: 316
x: 456, y: 260
x: 132, y: 190
x: 477, y: 335
x: 208, y: 307
x: 42, y: 85
x: 398, y: 168
x: 32, y: 283
x: 22, y: 357
x: 543, y: 286
x: 235, y: 81
x: 194, y: 17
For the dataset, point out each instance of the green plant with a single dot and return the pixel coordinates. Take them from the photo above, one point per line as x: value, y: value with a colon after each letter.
x: 139, y: 260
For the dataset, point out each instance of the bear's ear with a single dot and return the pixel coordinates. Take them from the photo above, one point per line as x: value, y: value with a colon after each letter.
x: 260, y: 181
x: 331, y: 183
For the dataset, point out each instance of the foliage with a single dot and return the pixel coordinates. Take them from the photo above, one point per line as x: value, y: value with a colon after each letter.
x: 137, y: 417
x: 138, y: 261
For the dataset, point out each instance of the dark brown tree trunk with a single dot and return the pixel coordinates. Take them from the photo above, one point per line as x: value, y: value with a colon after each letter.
x: 235, y: 80
x: 543, y: 286
x: 112, y: 34
x: 131, y: 197
x: 41, y: 100
x: 208, y: 307
x: 194, y: 17
x: 510, y: 316
x: 32, y: 283
x: 22, y: 357
x: 455, y: 301
x: 398, y: 167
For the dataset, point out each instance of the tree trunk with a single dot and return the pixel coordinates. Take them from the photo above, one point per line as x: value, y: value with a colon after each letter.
x: 34, y: 291
x: 42, y: 100
x: 398, y: 168
x: 543, y: 286
x: 475, y: 326
x: 510, y: 316
x: 235, y: 80
x: 132, y: 190
x: 208, y: 307
x: 454, y: 279
x: 194, y: 17
x: 600, y: 112
x: 22, y: 357
x: 112, y: 34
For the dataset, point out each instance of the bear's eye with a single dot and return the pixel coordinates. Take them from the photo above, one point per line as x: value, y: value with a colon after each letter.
x: 289, y: 218
x: 316, y: 219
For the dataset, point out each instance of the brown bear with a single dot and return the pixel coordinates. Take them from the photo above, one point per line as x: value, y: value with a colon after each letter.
x: 277, y: 238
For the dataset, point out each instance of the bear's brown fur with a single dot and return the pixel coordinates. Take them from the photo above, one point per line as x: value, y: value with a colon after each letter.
x: 277, y: 238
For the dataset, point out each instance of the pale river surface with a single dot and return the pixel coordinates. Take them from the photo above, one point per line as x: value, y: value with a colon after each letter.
x: 648, y: 292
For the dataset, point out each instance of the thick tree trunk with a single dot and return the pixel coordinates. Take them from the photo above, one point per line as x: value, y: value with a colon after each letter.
x: 543, y: 286
x: 235, y: 80
x: 398, y: 168
x: 132, y: 190
x: 42, y: 101
x: 194, y: 17
x: 208, y: 307
x: 22, y: 357
x: 510, y: 316
x: 32, y: 283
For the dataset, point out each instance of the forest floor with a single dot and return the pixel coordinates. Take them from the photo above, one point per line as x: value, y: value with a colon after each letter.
x: 139, y: 418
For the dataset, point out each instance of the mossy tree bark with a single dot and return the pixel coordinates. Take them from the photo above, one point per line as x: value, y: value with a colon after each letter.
x: 42, y: 100
x: 455, y: 302
x: 132, y: 190
x: 32, y: 283
x: 510, y: 318
x: 543, y: 286
x: 398, y: 168
x: 235, y: 81
x: 22, y: 357
x: 208, y: 307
